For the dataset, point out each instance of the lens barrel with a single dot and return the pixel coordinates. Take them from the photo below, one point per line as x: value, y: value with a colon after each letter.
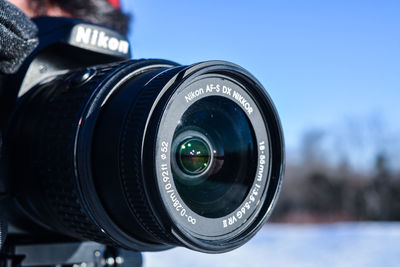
x: 148, y: 154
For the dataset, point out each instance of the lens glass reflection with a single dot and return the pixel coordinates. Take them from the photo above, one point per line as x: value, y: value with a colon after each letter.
x: 193, y: 156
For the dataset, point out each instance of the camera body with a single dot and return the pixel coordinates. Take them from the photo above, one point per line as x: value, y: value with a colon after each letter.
x: 135, y: 155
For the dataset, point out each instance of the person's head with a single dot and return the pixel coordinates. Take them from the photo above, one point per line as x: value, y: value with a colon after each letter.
x: 103, y: 12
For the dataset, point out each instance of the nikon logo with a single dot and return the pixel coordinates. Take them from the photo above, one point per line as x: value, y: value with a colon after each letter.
x: 99, y: 38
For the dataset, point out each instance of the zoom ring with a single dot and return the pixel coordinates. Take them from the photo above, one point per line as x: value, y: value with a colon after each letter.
x: 132, y: 138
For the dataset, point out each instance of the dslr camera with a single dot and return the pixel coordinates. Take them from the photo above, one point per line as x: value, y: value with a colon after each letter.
x: 104, y: 157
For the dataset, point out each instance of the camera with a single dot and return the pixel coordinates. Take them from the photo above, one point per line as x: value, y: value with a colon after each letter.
x: 116, y: 154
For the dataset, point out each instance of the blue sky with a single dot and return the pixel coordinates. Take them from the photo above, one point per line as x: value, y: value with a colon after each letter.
x: 321, y: 61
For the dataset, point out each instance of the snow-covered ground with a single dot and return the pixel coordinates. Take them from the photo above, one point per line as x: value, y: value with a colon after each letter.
x: 343, y: 244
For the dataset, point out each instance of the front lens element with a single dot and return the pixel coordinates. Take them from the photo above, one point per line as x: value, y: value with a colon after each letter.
x: 214, y: 184
x: 193, y: 156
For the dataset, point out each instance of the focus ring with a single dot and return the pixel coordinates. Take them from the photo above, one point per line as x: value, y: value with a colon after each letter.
x: 131, y: 153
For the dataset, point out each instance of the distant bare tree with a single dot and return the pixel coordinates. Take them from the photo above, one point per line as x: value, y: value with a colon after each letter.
x: 311, y: 150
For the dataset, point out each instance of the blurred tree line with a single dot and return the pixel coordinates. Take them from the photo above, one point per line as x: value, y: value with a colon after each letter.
x: 321, y: 188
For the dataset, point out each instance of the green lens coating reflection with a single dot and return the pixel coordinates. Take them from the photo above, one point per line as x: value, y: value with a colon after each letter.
x: 193, y: 156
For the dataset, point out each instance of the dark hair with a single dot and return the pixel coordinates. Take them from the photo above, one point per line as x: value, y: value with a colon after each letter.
x: 96, y: 11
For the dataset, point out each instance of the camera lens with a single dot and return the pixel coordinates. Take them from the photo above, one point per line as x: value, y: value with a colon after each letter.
x: 193, y: 156
x: 219, y: 189
x: 147, y: 155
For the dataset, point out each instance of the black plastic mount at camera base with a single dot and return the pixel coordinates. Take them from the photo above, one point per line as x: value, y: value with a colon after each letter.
x: 79, y: 254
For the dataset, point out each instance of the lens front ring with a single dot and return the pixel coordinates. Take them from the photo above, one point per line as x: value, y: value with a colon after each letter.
x: 228, y: 239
